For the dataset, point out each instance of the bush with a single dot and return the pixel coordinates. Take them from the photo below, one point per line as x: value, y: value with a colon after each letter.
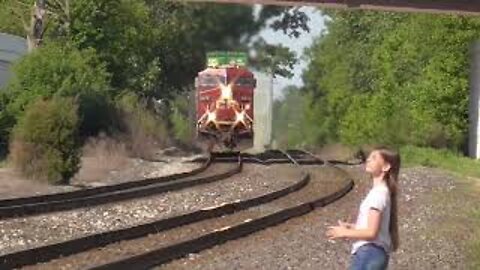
x: 44, y: 144
x: 181, y: 120
x: 7, y: 121
x: 100, y: 156
x: 143, y: 128
x: 63, y: 70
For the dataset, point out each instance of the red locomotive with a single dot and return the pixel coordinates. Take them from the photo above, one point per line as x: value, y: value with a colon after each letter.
x: 224, y: 99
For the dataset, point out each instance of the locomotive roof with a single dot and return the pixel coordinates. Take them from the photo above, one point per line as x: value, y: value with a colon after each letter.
x: 226, y: 71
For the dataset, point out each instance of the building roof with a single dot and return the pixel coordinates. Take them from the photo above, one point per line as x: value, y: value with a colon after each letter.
x: 11, y: 49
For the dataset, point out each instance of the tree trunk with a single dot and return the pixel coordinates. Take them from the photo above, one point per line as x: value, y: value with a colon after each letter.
x: 36, y: 28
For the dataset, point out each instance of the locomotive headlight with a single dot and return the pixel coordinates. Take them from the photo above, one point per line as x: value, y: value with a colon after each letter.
x: 211, y: 117
x: 247, y: 106
x: 240, y: 118
x: 226, y: 92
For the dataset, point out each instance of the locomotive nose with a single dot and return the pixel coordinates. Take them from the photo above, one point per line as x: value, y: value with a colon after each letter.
x: 225, y: 113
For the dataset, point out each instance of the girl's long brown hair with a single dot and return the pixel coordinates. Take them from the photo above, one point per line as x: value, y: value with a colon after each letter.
x: 391, y: 178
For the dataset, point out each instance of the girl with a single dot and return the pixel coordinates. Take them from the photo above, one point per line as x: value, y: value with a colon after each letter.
x: 376, y: 229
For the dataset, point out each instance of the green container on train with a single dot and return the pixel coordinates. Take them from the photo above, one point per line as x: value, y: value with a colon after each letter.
x: 226, y: 59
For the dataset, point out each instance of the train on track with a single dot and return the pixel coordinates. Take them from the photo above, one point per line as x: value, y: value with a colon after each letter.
x: 224, y: 94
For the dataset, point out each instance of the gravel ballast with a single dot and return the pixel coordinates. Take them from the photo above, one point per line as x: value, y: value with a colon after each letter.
x: 327, y: 181
x: 29, y: 232
x: 300, y: 243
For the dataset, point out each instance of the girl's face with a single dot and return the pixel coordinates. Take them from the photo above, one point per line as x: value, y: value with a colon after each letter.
x: 376, y: 165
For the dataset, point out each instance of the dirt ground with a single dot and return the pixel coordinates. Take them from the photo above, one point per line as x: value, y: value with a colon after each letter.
x: 12, y: 184
x: 94, y: 171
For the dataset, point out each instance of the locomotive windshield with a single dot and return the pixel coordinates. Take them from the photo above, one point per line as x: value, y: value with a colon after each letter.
x: 246, y: 82
x: 211, y: 80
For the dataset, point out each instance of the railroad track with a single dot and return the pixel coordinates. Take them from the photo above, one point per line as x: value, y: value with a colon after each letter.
x: 216, y: 231
x: 45, y: 253
x: 30, y: 206
x: 274, y: 157
x: 302, y: 157
x: 197, y: 230
x: 97, y: 190
x: 307, y: 158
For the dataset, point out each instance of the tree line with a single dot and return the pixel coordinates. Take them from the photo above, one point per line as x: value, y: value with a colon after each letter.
x: 101, y: 66
x: 381, y: 77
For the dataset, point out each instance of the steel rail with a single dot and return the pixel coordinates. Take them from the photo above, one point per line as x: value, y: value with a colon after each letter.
x: 212, y: 238
x: 53, y: 251
x: 121, y: 194
x: 103, y: 189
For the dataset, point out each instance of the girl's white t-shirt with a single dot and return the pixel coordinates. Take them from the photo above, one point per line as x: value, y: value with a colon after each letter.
x: 378, y: 198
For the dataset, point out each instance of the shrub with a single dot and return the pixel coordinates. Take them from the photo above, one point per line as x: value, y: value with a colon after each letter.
x: 6, y: 123
x: 100, y: 156
x: 143, y: 128
x: 44, y: 144
x: 62, y: 70
x: 181, y: 120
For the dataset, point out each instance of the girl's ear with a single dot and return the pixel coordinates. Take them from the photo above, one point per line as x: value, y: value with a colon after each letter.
x: 386, y: 167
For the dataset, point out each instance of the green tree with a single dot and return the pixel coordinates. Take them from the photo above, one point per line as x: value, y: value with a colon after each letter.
x: 78, y: 73
x: 289, y: 119
x: 155, y: 48
x: 392, y: 78
x: 341, y: 65
x: 31, y: 19
x: 217, y: 27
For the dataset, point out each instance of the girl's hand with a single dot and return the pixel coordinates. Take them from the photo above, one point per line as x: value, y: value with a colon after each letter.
x: 335, y: 232
x: 339, y: 231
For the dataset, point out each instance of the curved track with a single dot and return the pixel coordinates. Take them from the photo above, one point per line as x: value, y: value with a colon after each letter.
x: 99, y: 190
x: 239, y: 218
x: 215, y: 231
x: 129, y: 190
x: 300, y: 157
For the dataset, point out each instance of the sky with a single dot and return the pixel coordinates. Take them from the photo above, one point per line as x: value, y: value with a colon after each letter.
x: 317, y: 25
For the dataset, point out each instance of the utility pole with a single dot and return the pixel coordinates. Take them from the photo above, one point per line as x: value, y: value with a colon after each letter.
x: 262, y: 111
x: 474, y: 104
x: 269, y: 112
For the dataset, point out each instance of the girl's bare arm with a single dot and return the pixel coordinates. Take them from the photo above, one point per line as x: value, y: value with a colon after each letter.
x: 370, y: 233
